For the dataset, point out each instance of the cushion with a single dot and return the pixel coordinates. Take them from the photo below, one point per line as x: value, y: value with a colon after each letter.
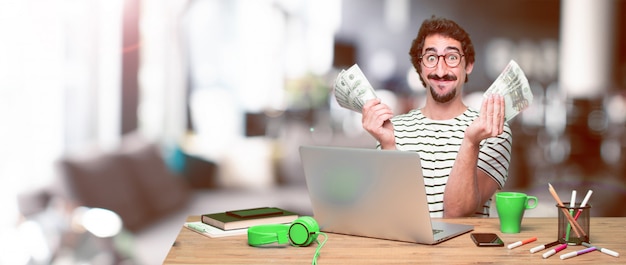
x: 103, y: 181
x: 161, y: 189
x: 133, y: 181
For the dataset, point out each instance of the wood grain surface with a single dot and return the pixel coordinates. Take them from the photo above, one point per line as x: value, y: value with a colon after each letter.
x: 607, y: 232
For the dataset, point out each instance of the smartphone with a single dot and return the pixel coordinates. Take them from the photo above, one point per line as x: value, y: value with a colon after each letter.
x: 256, y: 212
x: 487, y: 240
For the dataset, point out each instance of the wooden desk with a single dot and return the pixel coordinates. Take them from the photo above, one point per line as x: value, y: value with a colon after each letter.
x: 607, y: 232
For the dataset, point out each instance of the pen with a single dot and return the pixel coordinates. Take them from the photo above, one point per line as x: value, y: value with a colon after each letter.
x: 603, y: 250
x: 577, y: 253
x: 583, y: 204
x: 554, y: 251
x: 542, y: 247
x: 575, y: 226
x: 523, y: 242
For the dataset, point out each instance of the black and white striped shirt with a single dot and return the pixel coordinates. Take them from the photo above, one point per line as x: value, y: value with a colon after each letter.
x: 438, y: 143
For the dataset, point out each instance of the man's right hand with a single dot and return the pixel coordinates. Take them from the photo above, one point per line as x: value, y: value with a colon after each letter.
x: 376, y: 122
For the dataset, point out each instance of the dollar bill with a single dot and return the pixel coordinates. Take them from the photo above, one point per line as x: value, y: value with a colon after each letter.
x: 352, y: 89
x: 513, y: 85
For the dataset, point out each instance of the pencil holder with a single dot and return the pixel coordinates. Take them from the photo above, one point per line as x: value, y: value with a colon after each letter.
x: 573, y: 224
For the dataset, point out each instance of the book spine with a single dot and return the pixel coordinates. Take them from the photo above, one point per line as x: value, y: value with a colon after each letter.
x: 213, y: 222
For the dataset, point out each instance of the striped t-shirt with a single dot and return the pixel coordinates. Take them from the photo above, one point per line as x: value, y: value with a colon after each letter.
x: 439, y: 141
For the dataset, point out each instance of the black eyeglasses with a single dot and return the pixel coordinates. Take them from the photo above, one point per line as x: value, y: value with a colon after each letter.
x: 452, y: 59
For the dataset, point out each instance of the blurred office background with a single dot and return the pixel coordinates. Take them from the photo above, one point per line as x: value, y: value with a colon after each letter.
x: 226, y: 91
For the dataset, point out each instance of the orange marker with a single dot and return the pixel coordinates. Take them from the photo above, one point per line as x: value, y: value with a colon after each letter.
x: 519, y: 243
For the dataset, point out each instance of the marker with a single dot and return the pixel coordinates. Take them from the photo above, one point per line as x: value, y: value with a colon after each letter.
x: 542, y: 247
x: 577, y: 253
x: 603, y: 250
x: 554, y: 251
x: 197, y: 227
x: 572, y: 204
x: 583, y: 204
x: 523, y: 242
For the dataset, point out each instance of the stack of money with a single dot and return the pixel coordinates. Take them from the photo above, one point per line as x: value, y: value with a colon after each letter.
x: 513, y: 86
x: 352, y: 89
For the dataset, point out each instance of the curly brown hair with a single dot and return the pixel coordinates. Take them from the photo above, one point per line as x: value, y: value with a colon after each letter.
x: 444, y: 27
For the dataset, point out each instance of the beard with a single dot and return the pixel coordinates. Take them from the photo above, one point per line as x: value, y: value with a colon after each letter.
x: 442, y: 98
x: 445, y: 97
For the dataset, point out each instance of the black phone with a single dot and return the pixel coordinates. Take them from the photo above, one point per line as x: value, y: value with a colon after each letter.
x: 256, y: 212
x: 487, y: 240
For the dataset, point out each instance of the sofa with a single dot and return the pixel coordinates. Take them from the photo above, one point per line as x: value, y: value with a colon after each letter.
x: 152, y: 192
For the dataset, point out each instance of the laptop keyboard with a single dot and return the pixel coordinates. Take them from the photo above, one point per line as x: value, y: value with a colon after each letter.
x: 437, y: 231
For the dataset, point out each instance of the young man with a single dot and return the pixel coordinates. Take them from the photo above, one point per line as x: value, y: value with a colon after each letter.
x: 465, y: 154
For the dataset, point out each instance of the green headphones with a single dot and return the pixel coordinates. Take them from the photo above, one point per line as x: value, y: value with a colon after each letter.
x: 301, y: 232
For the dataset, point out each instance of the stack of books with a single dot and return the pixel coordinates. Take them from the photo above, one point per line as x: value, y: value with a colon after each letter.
x: 237, y: 222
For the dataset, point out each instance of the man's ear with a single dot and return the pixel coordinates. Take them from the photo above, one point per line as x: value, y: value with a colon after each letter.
x: 468, y: 68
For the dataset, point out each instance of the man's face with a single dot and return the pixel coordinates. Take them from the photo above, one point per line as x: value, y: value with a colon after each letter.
x: 444, y: 82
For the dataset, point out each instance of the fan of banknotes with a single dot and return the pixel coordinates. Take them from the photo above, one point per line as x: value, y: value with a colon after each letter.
x: 352, y: 89
x: 513, y: 86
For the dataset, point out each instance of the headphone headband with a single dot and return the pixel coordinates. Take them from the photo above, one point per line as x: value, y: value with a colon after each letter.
x: 301, y: 232
x: 266, y: 234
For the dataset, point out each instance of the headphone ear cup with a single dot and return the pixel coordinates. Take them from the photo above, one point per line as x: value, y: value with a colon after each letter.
x: 303, y: 231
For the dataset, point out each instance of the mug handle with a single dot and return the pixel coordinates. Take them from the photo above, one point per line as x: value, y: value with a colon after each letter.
x: 534, y: 202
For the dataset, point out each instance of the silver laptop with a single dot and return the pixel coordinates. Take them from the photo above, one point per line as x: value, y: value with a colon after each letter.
x: 372, y: 193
